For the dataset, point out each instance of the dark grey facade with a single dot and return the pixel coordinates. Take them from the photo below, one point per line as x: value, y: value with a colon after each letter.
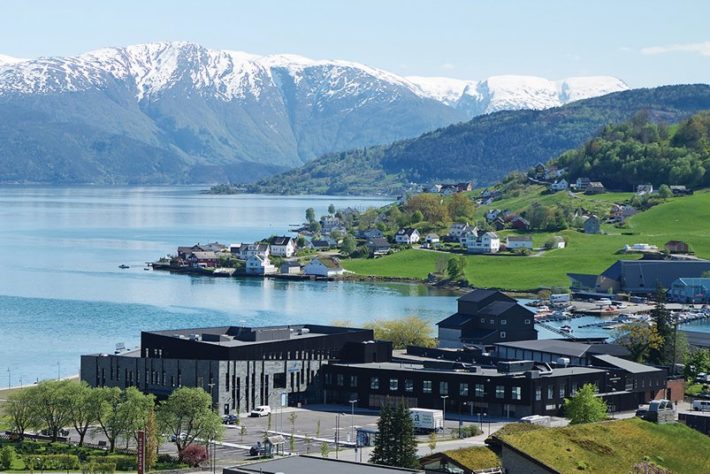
x: 485, y: 317
x: 241, y: 367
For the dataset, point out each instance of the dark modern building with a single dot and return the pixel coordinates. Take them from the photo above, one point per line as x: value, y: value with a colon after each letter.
x: 509, y: 388
x: 313, y: 465
x: 241, y: 367
x: 554, y: 350
x: 485, y: 317
x: 638, y: 277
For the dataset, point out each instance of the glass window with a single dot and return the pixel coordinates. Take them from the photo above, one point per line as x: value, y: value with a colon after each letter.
x: 550, y: 392
x: 463, y: 389
x: 479, y: 390
x: 483, y: 320
x: 574, y: 388
x: 328, y: 378
x: 527, y: 321
x: 500, y: 391
x: 394, y: 384
x: 516, y: 393
x: 538, y: 394
x: 374, y: 383
x: 426, y: 386
x: 341, y: 380
x: 353, y: 380
x: 562, y: 391
x: 503, y: 322
x: 502, y: 334
x: 443, y: 388
x: 408, y: 385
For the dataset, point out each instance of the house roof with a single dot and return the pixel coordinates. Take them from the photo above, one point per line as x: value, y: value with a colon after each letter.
x: 311, y: 465
x: 280, y: 240
x: 552, y: 346
x: 407, y: 231
x: 456, y: 320
x: 478, y: 295
x: 627, y: 365
x: 330, y: 262
x: 497, y: 308
x: 474, y: 458
x: 204, y: 255
x: 519, y: 238
x: 587, y: 280
x: 648, y: 274
x: 378, y: 242
x: 704, y: 282
x: 290, y: 263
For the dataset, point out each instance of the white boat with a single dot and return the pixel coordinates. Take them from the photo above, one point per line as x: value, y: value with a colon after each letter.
x: 566, y: 328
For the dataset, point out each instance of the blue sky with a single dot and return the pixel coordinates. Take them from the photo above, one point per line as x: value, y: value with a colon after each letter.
x: 645, y: 43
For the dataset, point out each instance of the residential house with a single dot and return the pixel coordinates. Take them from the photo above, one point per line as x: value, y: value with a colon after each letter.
x: 554, y: 173
x: 470, y: 234
x: 457, y: 229
x: 432, y: 239
x: 470, y: 460
x: 581, y: 184
x: 371, y: 233
x: 324, y: 243
x: 492, y: 214
x: 513, y: 242
x: 592, y: 225
x: 378, y: 246
x: 213, y: 247
x: 258, y: 249
x: 407, y: 235
x: 620, y: 212
x: 520, y: 223
x: 642, y: 189
x: 259, y: 265
x: 595, y: 187
x: 539, y: 171
x: 290, y: 267
x: 282, y: 246
x: 559, y: 185
x: 235, y: 249
x: 329, y: 224
x: 485, y: 317
x: 312, y: 465
x: 487, y: 242
x: 206, y: 259
x: 690, y: 290
x: 324, y: 267
x: 498, y: 223
x: 677, y: 246
x: 638, y: 277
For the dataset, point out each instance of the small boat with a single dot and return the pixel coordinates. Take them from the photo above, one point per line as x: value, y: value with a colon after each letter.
x: 146, y: 268
x: 566, y: 328
x: 123, y: 266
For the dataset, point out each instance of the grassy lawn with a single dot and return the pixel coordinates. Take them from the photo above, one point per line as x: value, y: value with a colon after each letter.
x: 683, y: 218
x: 616, y: 446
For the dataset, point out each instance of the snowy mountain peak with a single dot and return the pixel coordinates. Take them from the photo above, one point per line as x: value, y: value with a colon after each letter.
x: 152, y: 69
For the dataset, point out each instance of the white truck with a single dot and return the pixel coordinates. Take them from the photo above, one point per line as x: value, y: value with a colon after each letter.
x: 427, y: 420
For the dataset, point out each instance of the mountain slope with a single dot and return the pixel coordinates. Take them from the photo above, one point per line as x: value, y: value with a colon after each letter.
x: 178, y: 112
x: 487, y: 147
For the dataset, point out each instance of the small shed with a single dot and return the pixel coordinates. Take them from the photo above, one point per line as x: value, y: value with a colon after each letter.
x: 274, y: 445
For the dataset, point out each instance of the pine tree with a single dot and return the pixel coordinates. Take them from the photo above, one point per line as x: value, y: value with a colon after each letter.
x: 405, y: 445
x: 382, y: 451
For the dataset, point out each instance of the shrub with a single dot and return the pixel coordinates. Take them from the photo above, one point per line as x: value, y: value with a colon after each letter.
x: 101, y: 466
x: 7, y: 457
x: 194, y: 454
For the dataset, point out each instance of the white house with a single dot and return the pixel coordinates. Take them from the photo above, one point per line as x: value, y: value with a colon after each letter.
x: 254, y: 250
x: 457, y: 229
x: 283, y: 246
x: 487, y: 242
x: 323, y: 266
x: 557, y: 242
x: 513, y: 242
x: 471, y: 233
x: 407, y: 235
x: 290, y: 267
x: 257, y: 265
x: 559, y: 185
x: 432, y: 238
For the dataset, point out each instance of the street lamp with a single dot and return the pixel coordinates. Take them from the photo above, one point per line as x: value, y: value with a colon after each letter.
x: 337, y: 433
x: 352, y: 425
x: 444, y: 397
x: 214, y: 445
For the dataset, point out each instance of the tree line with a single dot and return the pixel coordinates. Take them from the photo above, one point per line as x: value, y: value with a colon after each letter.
x: 51, y: 406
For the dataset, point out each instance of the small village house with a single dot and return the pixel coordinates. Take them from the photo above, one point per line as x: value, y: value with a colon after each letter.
x: 432, y: 238
x: 407, y: 235
x: 324, y: 267
x: 513, y: 242
x: 581, y: 184
x: 457, y: 229
x: 371, y: 233
x: 290, y: 267
x: 378, y: 246
x: 690, y: 291
x: 559, y: 185
x: 556, y: 242
x: 487, y: 242
x: 677, y: 246
x: 595, y: 187
x: 592, y: 225
x: 282, y: 246
x: 203, y: 259
x: 257, y: 249
x: 520, y: 223
x: 258, y: 265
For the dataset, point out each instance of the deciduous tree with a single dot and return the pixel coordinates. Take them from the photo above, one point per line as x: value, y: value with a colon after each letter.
x: 408, y: 331
x: 585, y: 406
x: 187, y: 414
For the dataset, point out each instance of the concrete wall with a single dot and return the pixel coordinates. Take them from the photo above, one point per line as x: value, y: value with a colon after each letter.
x: 516, y: 463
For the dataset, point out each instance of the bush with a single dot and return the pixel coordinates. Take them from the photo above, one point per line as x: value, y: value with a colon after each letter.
x: 7, y: 457
x: 101, y: 466
x: 52, y: 462
x: 194, y: 454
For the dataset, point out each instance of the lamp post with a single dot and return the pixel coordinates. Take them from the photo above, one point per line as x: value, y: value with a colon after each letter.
x: 352, y: 425
x: 443, y: 398
x: 214, y: 445
x: 337, y: 433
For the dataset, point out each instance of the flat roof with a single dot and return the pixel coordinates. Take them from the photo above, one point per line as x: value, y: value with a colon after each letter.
x: 553, y: 346
x: 627, y: 365
x: 311, y: 465
x: 484, y: 371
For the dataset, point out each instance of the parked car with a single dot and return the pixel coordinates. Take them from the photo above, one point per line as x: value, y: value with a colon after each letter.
x: 230, y: 419
x: 701, y: 405
x: 263, y: 410
x: 183, y: 437
x: 642, y: 411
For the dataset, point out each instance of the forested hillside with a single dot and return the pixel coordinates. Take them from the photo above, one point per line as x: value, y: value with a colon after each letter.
x: 486, y: 148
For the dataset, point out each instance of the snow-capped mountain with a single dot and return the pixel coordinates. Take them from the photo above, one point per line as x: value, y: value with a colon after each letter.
x: 166, y: 112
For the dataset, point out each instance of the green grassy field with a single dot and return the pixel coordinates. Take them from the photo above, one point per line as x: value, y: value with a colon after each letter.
x: 616, y: 446
x: 684, y: 218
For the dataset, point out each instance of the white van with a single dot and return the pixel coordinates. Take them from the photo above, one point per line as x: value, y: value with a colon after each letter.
x: 604, y: 302
x: 701, y: 405
x: 263, y: 410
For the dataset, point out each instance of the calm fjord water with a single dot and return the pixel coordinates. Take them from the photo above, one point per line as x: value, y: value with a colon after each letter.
x: 62, y: 293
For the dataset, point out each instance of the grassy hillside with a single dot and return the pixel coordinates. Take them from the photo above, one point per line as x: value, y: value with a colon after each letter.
x: 486, y: 148
x: 681, y: 218
x: 615, y: 446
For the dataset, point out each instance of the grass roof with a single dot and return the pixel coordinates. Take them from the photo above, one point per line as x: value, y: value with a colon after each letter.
x: 475, y: 458
x: 613, y: 446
